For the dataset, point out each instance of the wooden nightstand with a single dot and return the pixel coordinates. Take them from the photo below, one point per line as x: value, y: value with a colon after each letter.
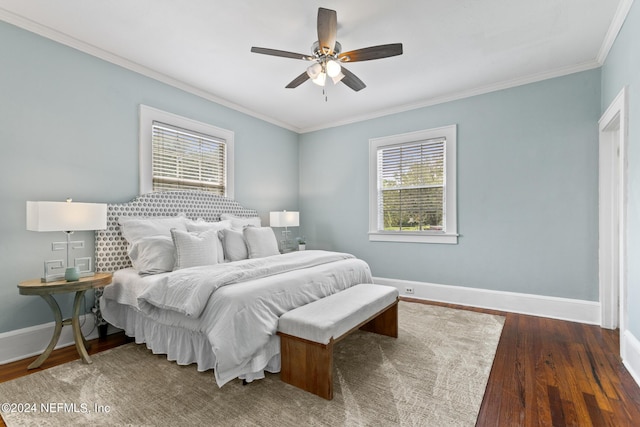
x: 45, y: 290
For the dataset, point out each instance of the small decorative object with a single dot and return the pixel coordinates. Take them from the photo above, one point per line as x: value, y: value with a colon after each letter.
x: 302, y: 243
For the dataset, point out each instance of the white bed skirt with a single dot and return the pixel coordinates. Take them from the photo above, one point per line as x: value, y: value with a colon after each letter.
x: 181, y: 345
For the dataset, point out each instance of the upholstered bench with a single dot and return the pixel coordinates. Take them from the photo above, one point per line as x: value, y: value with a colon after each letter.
x: 308, y: 333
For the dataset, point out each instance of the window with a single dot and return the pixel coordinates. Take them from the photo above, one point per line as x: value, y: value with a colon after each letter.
x: 180, y: 153
x: 412, y: 187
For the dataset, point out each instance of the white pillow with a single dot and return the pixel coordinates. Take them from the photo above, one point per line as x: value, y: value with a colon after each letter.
x: 152, y: 255
x: 201, y: 225
x: 135, y: 228
x: 238, y: 222
x: 234, y: 245
x: 193, y: 250
x: 261, y: 242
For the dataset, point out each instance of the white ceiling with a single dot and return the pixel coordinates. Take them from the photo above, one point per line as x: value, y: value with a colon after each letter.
x: 452, y: 49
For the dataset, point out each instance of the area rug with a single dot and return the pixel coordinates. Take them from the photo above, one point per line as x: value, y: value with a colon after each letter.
x: 434, y: 374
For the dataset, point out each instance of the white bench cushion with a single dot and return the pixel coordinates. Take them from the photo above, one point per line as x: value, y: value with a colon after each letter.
x: 335, y: 315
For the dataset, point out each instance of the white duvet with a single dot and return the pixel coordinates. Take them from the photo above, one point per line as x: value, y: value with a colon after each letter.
x: 237, y: 305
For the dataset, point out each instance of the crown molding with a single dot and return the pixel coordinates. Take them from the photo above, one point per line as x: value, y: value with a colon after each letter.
x: 614, y: 29
x: 51, y: 34
x: 44, y: 31
x: 454, y: 96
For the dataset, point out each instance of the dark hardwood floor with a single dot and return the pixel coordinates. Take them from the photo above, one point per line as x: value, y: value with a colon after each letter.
x: 554, y: 373
x: 546, y: 373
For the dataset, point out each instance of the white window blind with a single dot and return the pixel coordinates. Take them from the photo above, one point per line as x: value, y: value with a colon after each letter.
x: 411, y: 186
x: 184, y: 159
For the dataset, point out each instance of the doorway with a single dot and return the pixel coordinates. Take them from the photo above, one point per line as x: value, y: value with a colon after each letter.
x: 612, y: 214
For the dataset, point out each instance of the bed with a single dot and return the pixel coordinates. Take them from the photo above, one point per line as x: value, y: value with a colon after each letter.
x: 220, y: 307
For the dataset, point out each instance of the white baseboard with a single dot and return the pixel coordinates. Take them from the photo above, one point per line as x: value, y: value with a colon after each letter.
x: 535, y: 305
x: 32, y: 341
x: 631, y: 354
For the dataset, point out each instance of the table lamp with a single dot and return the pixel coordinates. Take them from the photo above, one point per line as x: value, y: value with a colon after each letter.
x: 67, y: 217
x: 284, y: 219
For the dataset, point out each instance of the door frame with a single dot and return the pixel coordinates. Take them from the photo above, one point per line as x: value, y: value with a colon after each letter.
x: 612, y: 183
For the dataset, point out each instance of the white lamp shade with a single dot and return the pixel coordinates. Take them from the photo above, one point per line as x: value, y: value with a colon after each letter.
x: 320, y: 80
x: 66, y: 216
x: 284, y: 219
x: 338, y: 78
x: 314, y: 70
x: 333, y: 68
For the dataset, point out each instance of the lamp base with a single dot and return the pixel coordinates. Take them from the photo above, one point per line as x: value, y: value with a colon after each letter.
x: 72, y: 274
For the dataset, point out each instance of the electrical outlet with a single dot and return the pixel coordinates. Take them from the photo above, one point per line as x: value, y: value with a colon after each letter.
x: 408, y: 290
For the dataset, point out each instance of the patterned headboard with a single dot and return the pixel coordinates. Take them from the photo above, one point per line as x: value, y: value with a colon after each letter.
x: 111, y: 248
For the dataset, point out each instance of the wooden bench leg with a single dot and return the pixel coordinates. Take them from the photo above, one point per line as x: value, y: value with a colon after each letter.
x: 307, y: 365
x: 386, y: 323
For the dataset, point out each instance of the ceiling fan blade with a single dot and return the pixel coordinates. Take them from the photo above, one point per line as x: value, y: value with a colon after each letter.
x: 298, y: 81
x: 282, y: 53
x: 327, y: 30
x: 352, y: 81
x: 373, y: 52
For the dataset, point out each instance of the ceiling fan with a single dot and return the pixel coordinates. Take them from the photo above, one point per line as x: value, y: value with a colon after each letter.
x: 327, y: 55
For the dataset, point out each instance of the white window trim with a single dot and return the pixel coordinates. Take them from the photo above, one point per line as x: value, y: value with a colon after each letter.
x: 149, y: 114
x: 450, y: 235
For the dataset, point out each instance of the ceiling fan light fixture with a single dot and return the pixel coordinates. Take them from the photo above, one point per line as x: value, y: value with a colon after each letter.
x: 314, y: 70
x: 327, y: 61
x: 338, y: 78
x: 333, y: 68
x: 320, y: 80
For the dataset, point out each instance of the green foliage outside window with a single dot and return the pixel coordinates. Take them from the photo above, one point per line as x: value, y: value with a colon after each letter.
x: 412, y: 186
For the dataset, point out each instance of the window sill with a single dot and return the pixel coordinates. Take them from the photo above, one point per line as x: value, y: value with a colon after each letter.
x: 443, y: 238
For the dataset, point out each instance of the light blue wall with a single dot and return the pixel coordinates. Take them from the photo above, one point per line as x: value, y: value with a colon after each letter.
x: 69, y: 127
x: 622, y: 68
x: 527, y: 170
x: 527, y: 191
